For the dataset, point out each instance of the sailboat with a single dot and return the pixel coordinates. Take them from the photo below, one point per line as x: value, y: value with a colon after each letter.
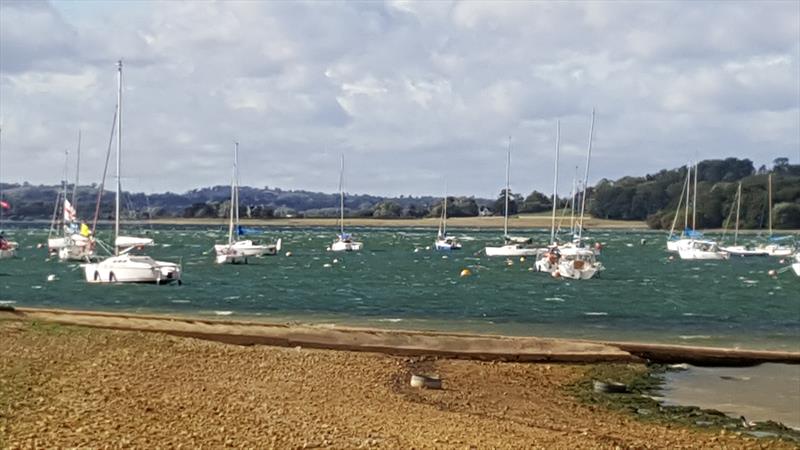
x: 123, y: 266
x: 695, y: 246
x: 443, y: 241
x: 237, y: 251
x: 344, y: 241
x: 548, y: 262
x: 673, y: 241
x: 8, y: 249
x: 575, y: 260
x: 56, y: 238
x: 736, y: 249
x: 512, y: 246
x: 79, y: 243
x: 774, y: 247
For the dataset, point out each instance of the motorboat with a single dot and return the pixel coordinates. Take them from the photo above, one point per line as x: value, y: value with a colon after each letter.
x: 702, y: 249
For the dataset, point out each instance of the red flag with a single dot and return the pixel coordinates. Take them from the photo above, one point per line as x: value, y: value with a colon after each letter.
x: 4, y: 204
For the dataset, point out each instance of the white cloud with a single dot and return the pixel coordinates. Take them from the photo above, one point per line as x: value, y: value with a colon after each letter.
x: 401, y: 87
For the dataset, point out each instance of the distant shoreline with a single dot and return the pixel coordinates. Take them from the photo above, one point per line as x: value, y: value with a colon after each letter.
x: 487, y: 223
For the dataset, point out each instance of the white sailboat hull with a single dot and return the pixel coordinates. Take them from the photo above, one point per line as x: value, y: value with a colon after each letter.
x: 230, y: 256
x: 56, y: 244
x: 343, y: 246
x: 248, y: 248
x: 674, y: 245
x: 77, y: 248
x: 777, y: 250
x: 512, y: 250
x: 576, y: 271
x: 132, y: 269
x: 742, y: 251
x: 447, y: 244
x: 693, y: 249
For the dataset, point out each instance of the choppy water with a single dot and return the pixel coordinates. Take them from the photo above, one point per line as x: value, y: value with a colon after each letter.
x: 642, y: 295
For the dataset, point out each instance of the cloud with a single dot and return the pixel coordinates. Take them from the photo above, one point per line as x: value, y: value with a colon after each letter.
x: 411, y: 92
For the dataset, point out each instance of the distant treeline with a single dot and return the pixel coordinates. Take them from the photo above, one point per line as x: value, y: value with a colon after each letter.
x: 655, y: 197
x: 652, y: 198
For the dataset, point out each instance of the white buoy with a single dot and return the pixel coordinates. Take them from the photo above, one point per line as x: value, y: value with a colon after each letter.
x: 52, y: 277
x: 428, y: 247
x: 288, y: 253
x: 444, y: 256
x: 327, y: 265
x: 335, y: 260
x: 416, y: 250
x: 522, y: 259
x: 772, y: 273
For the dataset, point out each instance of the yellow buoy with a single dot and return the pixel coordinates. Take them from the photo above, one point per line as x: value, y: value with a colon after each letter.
x: 521, y: 259
x: 466, y: 273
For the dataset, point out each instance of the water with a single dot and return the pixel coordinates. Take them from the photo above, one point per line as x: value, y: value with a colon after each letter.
x: 641, y: 296
x: 761, y: 393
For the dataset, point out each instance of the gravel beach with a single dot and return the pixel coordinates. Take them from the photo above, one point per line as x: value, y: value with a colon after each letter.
x: 67, y: 386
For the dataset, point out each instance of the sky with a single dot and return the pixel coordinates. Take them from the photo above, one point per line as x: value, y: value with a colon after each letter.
x: 416, y: 95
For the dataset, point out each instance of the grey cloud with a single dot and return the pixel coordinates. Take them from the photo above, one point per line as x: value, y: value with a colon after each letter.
x: 411, y: 92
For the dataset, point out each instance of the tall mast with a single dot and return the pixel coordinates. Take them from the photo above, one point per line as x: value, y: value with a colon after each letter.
x: 236, y: 181
x: 119, y: 154
x: 586, y: 177
x: 64, y: 204
x: 738, y: 207
x: 444, y: 213
x: 694, y: 202
x: 688, y: 193
x: 1, y: 178
x: 572, y: 206
x: 341, y: 196
x: 769, y: 199
x: 508, y: 182
x: 77, y: 175
x: 678, y: 209
x: 233, y: 198
x: 555, y: 184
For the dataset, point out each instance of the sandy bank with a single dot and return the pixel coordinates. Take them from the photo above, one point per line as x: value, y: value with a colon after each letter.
x: 408, y: 343
x: 65, y: 386
x: 453, y: 222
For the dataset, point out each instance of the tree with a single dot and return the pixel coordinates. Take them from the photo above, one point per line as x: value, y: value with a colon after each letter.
x: 500, y: 203
x: 387, y: 210
x: 536, y: 202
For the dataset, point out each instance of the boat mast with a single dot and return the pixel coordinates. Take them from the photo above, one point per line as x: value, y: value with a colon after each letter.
x: 694, y: 202
x: 769, y: 199
x: 738, y: 207
x: 688, y: 193
x: 119, y: 155
x: 573, y: 194
x: 508, y: 174
x: 1, y: 183
x: 555, y: 184
x: 236, y: 180
x: 64, y: 204
x: 77, y: 175
x: 586, y: 178
x: 678, y: 209
x: 341, y: 196
x: 443, y: 231
x: 233, y: 197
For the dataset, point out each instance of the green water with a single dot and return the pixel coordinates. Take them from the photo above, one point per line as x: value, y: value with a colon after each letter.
x: 642, y: 294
